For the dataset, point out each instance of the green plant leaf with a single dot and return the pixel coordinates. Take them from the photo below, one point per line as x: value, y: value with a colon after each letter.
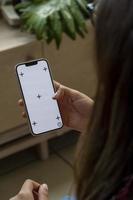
x: 22, y: 5
x: 78, y: 17
x: 50, y: 36
x: 56, y: 26
x: 39, y: 28
x: 69, y: 24
x: 83, y: 5
x: 48, y: 19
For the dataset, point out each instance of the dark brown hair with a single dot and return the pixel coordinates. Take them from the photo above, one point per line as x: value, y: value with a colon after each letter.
x: 106, y: 150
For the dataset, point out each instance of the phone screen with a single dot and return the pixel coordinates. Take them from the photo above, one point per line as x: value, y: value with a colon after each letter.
x: 37, y: 89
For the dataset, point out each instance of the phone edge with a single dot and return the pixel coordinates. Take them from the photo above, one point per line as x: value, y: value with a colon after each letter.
x: 22, y: 95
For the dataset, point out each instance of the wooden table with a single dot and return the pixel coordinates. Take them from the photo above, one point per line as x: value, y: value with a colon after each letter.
x: 12, y: 37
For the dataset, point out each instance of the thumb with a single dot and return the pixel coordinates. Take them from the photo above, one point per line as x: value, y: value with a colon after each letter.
x: 43, y: 192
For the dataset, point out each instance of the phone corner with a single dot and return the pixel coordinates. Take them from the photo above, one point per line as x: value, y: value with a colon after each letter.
x: 16, y: 68
x: 45, y: 60
x: 33, y: 133
x: 61, y: 126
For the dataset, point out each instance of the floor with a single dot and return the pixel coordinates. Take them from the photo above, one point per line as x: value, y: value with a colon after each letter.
x: 57, y: 172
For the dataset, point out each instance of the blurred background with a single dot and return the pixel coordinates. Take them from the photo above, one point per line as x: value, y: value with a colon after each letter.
x: 61, y: 32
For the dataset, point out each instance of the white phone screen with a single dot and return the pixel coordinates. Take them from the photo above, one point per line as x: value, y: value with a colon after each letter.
x: 37, y: 88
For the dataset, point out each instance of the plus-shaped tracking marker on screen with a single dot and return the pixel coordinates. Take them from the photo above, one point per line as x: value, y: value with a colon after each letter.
x: 45, y: 69
x: 34, y: 124
x: 39, y: 96
x: 22, y: 74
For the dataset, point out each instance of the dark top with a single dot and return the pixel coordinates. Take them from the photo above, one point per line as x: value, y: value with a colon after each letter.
x: 126, y: 191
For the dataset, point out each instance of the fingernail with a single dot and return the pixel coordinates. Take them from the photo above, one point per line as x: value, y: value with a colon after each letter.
x: 44, y: 186
x: 54, y: 95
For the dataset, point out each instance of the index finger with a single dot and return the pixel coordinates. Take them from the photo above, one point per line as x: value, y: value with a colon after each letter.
x: 30, y: 186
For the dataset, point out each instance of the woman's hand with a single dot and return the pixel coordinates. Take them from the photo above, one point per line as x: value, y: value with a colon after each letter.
x: 75, y: 107
x: 32, y: 190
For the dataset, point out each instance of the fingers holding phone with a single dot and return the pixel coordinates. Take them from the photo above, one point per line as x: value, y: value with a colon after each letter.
x: 32, y: 190
x: 75, y: 107
x: 58, y: 94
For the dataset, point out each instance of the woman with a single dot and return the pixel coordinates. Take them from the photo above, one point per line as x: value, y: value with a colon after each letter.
x: 104, y: 166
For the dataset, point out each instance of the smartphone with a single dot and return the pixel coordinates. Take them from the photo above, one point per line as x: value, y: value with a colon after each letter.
x: 37, y: 88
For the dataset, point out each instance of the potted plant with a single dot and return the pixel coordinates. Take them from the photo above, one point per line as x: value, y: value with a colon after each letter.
x: 49, y: 19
